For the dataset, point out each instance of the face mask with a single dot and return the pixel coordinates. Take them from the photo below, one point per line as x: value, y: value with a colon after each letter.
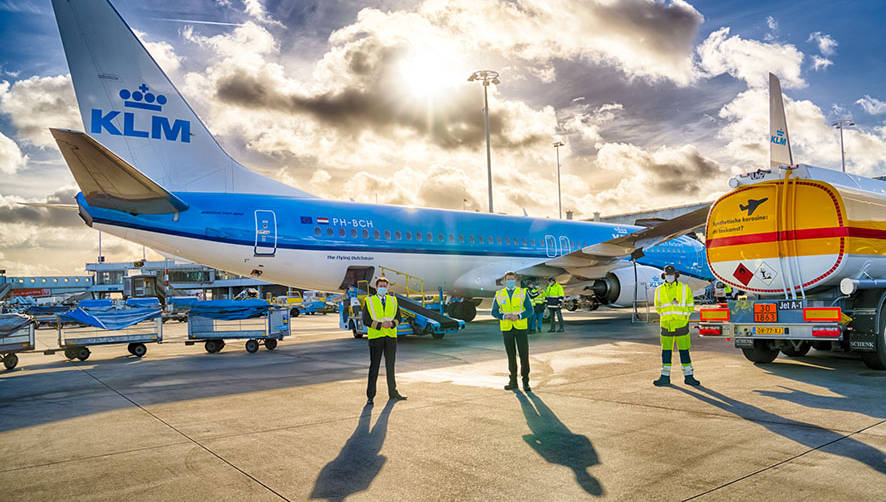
x: 511, y: 284
x: 382, y: 291
x: 670, y: 278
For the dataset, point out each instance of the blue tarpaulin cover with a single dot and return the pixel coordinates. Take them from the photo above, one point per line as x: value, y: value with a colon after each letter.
x: 46, y: 309
x: 230, y: 310
x: 10, y: 323
x: 143, y: 302
x: 96, y: 304
x: 110, y: 319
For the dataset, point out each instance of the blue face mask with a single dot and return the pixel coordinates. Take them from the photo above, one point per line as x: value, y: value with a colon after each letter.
x: 382, y: 291
x: 511, y: 284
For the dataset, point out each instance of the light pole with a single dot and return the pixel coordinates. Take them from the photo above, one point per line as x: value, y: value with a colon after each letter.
x: 486, y: 77
x: 840, y: 124
x: 557, y: 145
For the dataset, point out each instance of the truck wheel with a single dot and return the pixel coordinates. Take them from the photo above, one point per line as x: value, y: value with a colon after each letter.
x: 83, y: 353
x: 10, y: 361
x: 469, y: 311
x: 251, y: 346
x: 139, y: 349
x: 271, y: 343
x: 799, y: 351
x: 70, y: 353
x: 761, y: 353
x: 877, y: 360
x: 571, y: 306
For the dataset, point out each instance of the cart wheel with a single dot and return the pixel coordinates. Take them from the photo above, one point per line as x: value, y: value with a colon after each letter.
x: 294, y: 312
x: 251, y: 346
x: 129, y: 348
x: 83, y: 353
x: 138, y: 349
x: 213, y: 346
x: 271, y: 343
x: 70, y: 353
x: 10, y: 361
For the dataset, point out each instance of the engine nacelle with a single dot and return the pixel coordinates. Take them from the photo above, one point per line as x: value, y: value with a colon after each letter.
x: 617, y: 288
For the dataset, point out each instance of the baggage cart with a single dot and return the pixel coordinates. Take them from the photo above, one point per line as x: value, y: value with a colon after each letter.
x: 269, y: 329
x: 75, y: 341
x: 20, y: 340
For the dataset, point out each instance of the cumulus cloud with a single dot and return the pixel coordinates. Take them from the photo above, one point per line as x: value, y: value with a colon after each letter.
x: 872, y: 105
x: 35, y: 104
x: 826, y: 44
x: 749, y: 60
x: 820, y: 62
x: 11, y: 157
x: 162, y: 52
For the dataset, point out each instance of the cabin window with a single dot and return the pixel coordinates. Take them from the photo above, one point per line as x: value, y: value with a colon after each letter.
x: 418, y: 236
x: 490, y: 240
x: 532, y: 242
x: 472, y: 239
x: 354, y: 233
x: 499, y: 241
x: 317, y: 231
x: 365, y: 233
x: 440, y: 238
x: 387, y: 235
x: 524, y: 242
x: 408, y: 236
x: 461, y: 239
x: 330, y: 231
x: 398, y: 235
x: 508, y: 241
x: 451, y: 238
x: 342, y: 232
x: 429, y: 237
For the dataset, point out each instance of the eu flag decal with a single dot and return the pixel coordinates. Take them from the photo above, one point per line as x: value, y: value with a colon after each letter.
x: 306, y: 219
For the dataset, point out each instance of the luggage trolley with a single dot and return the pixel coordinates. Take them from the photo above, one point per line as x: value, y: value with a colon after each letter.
x: 268, y: 328
x: 19, y: 339
x: 75, y: 341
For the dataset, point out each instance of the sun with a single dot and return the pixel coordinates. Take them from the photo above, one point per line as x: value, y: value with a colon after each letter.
x: 429, y: 72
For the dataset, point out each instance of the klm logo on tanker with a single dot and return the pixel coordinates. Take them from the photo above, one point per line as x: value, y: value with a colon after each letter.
x: 779, y: 138
x: 140, y: 99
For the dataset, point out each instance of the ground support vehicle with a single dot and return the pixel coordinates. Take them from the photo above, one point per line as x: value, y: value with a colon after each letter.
x: 267, y: 329
x: 75, y: 341
x: 416, y: 319
x: 19, y: 340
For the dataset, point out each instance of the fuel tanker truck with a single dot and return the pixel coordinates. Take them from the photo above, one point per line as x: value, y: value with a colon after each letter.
x: 808, y: 247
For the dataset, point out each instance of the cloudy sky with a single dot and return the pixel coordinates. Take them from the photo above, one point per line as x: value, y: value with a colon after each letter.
x: 658, y: 102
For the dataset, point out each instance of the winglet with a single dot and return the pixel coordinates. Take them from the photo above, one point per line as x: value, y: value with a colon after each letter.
x: 108, y: 181
x: 779, y: 141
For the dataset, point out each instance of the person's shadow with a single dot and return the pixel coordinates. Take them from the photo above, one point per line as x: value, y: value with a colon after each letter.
x: 358, y: 462
x: 801, y: 432
x: 555, y: 443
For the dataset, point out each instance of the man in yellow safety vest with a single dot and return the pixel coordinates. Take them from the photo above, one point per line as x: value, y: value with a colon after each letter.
x: 512, y: 308
x: 381, y: 315
x: 554, y: 297
x: 674, y: 304
x: 537, y: 299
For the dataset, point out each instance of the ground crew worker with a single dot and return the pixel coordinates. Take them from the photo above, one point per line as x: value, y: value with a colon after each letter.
x: 674, y: 303
x: 381, y: 314
x: 512, y: 308
x: 537, y: 299
x: 554, y: 298
x: 720, y: 292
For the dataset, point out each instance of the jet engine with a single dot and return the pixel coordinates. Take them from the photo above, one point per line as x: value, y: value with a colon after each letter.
x: 617, y: 288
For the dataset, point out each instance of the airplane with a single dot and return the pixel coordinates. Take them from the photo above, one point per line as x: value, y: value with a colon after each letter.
x: 151, y: 172
x: 752, y: 205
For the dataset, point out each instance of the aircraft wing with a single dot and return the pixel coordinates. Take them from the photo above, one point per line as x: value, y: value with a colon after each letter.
x: 589, y: 261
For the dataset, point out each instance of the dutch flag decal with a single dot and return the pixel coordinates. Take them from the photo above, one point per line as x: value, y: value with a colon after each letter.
x: 323, y: 221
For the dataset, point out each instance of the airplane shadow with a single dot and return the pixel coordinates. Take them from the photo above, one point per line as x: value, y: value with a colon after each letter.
x: 555, y: 443
x: 809, y: 435
x: 358, y: 462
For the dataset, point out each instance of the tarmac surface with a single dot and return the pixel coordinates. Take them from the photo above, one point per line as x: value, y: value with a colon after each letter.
x: 181, y: 424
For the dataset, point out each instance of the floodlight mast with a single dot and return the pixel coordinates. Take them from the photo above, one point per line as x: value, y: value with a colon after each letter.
x: 486, y: 77
x: 557, y: 145
x: 840, y: 124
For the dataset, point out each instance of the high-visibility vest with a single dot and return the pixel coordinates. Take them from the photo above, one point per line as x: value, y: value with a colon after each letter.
x: 539, y: 298
x: 674, y: 315
x: 378, y: 313
x: 511, y: 304
x: 554, y: 290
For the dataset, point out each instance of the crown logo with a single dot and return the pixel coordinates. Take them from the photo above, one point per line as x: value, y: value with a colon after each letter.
x: 779, y: 132
x: 142, y: 99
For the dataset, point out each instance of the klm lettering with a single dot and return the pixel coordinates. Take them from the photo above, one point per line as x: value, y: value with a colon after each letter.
x: 179, y: 130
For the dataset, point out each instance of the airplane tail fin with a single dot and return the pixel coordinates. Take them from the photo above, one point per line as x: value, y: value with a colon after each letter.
x: 779, y: 141
x: 130, y: 106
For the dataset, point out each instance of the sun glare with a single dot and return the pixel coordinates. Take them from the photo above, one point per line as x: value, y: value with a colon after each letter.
x: 428, y: 72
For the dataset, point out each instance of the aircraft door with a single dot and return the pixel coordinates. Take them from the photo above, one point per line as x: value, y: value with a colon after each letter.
x: 265, y: 233
x: 550, y: 246
x: 565, y: 245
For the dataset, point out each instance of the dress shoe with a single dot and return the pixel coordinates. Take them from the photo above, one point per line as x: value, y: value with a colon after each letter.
x: 662, y: 381
x: 512, y: 385
x: 690, y: 380
x: 526, y: 386
x: 397, y: 397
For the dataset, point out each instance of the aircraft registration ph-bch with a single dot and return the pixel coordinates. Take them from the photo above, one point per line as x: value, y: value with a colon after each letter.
x: 151, y: 172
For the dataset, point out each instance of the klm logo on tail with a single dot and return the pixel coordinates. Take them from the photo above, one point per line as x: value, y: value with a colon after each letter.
x: 779, y: 138
x: 141, y: 99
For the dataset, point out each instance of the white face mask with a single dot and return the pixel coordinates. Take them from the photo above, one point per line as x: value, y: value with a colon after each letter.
x: 670, y: 278
x: 382, y: 291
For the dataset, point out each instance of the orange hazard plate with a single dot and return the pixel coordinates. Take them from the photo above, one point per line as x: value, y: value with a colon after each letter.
x: 765, y: 312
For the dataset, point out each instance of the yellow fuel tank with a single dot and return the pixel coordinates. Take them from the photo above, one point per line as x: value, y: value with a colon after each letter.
x: 797, y: 233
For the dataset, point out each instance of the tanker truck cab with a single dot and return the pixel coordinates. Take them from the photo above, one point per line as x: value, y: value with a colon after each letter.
x: 808, y: 245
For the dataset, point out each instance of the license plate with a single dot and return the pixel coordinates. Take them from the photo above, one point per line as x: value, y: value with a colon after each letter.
x: 765, y: 312
x: 767, y: 330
